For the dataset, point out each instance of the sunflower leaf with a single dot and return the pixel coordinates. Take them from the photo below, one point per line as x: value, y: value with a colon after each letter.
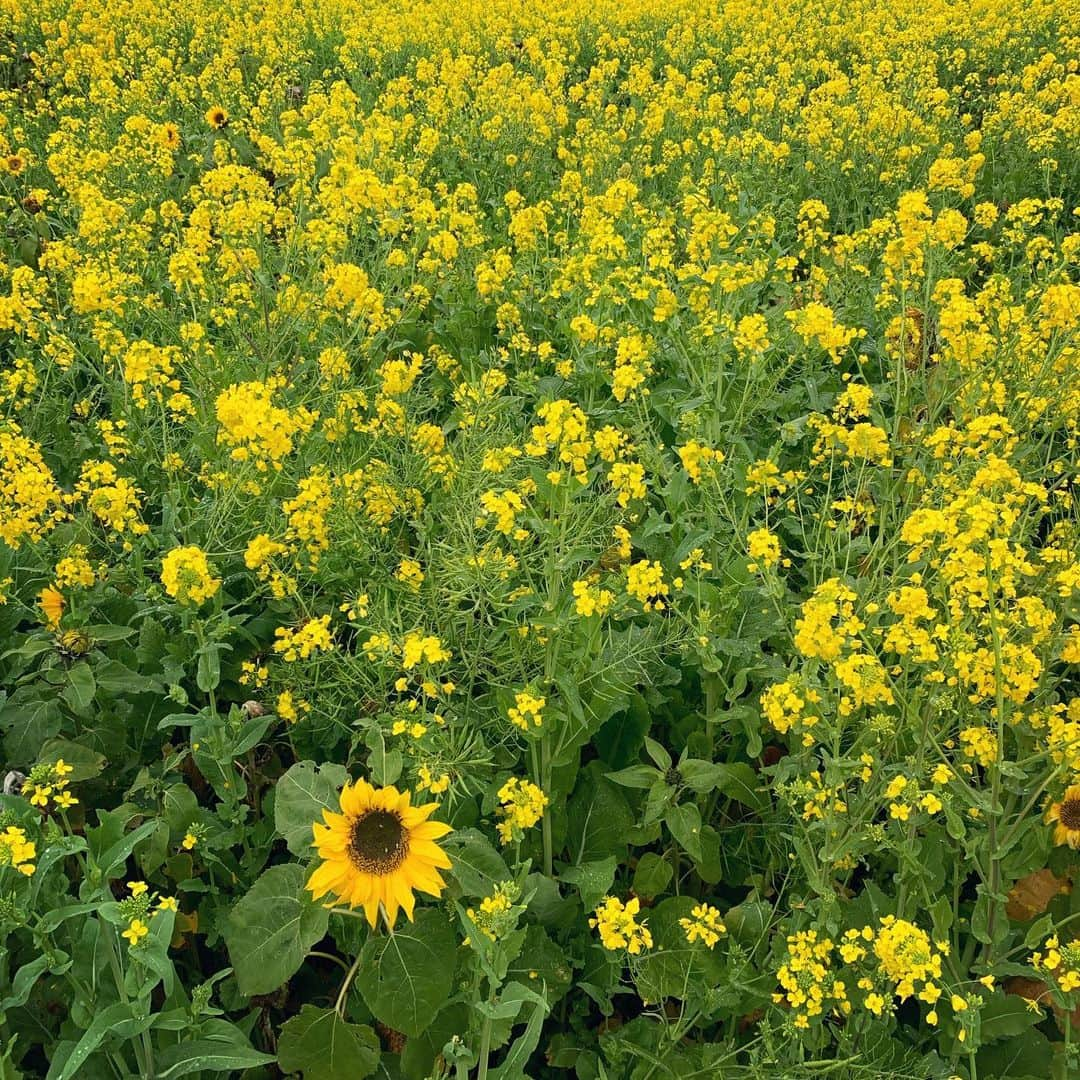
x: 270, y: 930
x: 300, y: 797
x: 406, y: 977
x: 321, y: 1046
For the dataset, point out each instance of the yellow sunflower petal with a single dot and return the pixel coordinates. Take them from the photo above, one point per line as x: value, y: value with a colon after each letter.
x: 371, y: 910
x: 431, y: 830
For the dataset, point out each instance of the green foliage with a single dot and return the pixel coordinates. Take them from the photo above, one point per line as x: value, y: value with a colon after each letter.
x: 649, y: 432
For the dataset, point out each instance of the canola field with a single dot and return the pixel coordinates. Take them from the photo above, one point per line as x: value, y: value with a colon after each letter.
x: 539, y: 540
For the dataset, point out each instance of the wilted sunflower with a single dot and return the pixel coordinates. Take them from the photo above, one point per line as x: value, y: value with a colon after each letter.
x: 378, y: 850
x: 1067, y: 815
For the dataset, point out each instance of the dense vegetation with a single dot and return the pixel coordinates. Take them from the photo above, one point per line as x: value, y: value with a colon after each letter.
x: 539, y: 539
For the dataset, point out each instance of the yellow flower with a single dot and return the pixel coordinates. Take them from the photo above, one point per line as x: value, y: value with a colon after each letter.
x: 764, y: 547
x: 704, y: 924
x: 16, y: 851
x: 618, y: 926
x: 136, y: 931
x: 187, y: 577
x: 216, y: 117
x: 1065, y: 816
x: 523, y: 805
x: 378, y: 850
x: 526, y: 707
x: 51, y: 602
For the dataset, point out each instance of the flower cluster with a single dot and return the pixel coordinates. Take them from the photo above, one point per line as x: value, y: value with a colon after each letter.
x: 618, y: 927
x: 48, y: 786
x: 522, y: 805
x: 16, y: 851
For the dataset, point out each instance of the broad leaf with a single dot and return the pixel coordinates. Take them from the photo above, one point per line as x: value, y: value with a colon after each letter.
x: 300, y: 798
x: 406, y: 977
x: 271, y: 929
x: 321, y: 1046
x: 477, y: 866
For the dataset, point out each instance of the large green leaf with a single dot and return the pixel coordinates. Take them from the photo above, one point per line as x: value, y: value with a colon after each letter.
x: 28, y: 722
x: 405, y: 977
x: 81, y: 686
x: 477, y: 866
x: 673, y: 967
x: 85, y: 763
x: 300, y: 797
x: 209, y: 1055
x: 271, y: 929
x: 321, y: 1046
x: 600, y: 819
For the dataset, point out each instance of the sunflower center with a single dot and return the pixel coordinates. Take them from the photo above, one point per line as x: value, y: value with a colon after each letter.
x: 379, y: 842
x: 1070, y: 813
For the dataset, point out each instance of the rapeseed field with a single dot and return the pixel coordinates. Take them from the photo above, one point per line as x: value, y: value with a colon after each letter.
x: 539, y: 539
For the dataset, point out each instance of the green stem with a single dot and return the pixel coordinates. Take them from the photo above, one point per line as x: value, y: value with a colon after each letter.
x: 485, y: 1049
x: 339, y: 1005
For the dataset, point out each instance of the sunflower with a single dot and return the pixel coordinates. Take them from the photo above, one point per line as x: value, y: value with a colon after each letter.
x: 217, y: 117
x: 51, y: 602
x: 378, y: 850
x: 1067, y: 815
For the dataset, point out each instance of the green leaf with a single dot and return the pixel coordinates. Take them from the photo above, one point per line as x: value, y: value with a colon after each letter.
x: 738, y: 781
x: 300, y: 797
x: 476, y: 865
x: 211, y: 1055
x: 119, y: 1020
x: 651, y: 876
x: 23, y: 982
x: 517, y: 1057
x: 599, y: 818
x: 107, y: 632
x: 1005, y: 1016
x: 660, y: 756
x: 113, y: 858
x: 420, y: 1053
x: 384, y: 764
x: 406, y: 977
x: 636, y: 776
x: 85, y: 763
x: 1027, y: 1056
x: 673, y: 967
x: 542, y: 965
x: 685, y: 825
x: 269, y: 932
x: 321, y: 1046
x: 28, y: 724
x: 1039, y: 930
x: 81, y: 687
x: 593, y: 880
x: 208, y: 669
x: 114, y: 678
x: 748, y: 922
x: 179, y: 806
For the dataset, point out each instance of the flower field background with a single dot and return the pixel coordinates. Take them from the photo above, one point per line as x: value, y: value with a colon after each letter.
x: 539, y: 540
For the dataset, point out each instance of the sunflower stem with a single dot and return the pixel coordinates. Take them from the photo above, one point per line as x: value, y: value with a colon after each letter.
x: 339, y: 1005
x: 346, y: 911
